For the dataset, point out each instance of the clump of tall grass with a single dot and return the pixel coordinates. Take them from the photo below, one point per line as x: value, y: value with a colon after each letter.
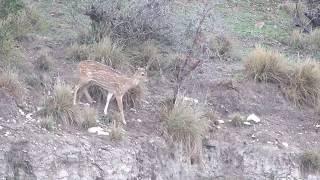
x: 266, y: 65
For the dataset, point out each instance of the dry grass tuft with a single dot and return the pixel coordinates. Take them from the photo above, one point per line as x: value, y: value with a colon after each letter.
x: 221, y: 45
x: 111, y: 53
x: 297, y: 39
x: 146, y: 54
x: 313, y: 40
x: 310, y: 162
x: 34, y: 80
x: 304, y: 86
x: 79, y: 52
x: 186, y: 125
x: 47, y: 123
x: 43, y: 63
x: 88, y: 117
x: 303, y: 41
x: 237, y: 120
x: 300, y: 82
x: 116, y: 134
x: 291, y: 8
x: 60, y: 106
x: 9, y: 80
x: 267, y: 66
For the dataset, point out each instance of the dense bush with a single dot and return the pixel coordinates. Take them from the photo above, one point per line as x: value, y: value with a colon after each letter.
x: 129, y: 20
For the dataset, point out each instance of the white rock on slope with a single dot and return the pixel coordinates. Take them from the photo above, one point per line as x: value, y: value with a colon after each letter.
x: 254, y: 118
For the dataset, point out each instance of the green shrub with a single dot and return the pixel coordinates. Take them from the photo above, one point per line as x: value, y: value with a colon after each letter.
x: 8, y: 7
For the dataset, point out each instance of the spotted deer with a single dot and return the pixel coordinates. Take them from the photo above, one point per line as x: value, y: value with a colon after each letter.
x: 117, y: 84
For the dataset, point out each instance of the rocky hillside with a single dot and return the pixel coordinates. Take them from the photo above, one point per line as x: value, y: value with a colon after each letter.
x: 232, y: 90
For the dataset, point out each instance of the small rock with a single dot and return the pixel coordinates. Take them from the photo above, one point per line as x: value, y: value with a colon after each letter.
x: 247, y: 123
x: 218, y: 127
x: 63, y: 174
x: 139, y: 120
x: 254, y: 118
x: 21, y: 112
x: 220, y: 121
x: 269, y: 142
x: 318, y: 126
x: 133, y: 110
x: 103, y: 133
x: 98, y: 130
x: 195, y: 101
x: 286, y: 145
x: 253, y: 136
x: 28, y: 116
x: 95, y: 129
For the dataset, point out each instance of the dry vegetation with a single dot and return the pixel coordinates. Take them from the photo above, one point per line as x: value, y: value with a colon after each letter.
x: 185, y: 125
x: 9, y: 79
x: 313, y: 40
x: 299, y: 81
x: 296, y: 10
x: 60, y: 106
x: 221, y: 46
x: 43, y: 63
x: 266, y: 65
x: 16, y: 20
x: 305, y: 41
x: 79, y: 52
x: 237, y: 120
x: 111, y: 53
x: 116, y: 134
x: 88, y: 117
x: 304, y: 86
x: 47, y: 123
x: 310, y: 162
x: 297, y: 39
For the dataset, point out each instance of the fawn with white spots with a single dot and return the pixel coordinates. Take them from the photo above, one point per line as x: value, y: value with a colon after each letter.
x: 117, y: 84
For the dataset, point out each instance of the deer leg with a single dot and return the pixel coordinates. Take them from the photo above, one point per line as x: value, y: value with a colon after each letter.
x: 77, y: 89
x: 120, y: 105
x: 87, y: 94
x: 107, y: 103
x: 75, y: 94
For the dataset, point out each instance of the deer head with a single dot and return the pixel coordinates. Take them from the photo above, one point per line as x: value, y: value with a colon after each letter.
x: 140, y: 75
